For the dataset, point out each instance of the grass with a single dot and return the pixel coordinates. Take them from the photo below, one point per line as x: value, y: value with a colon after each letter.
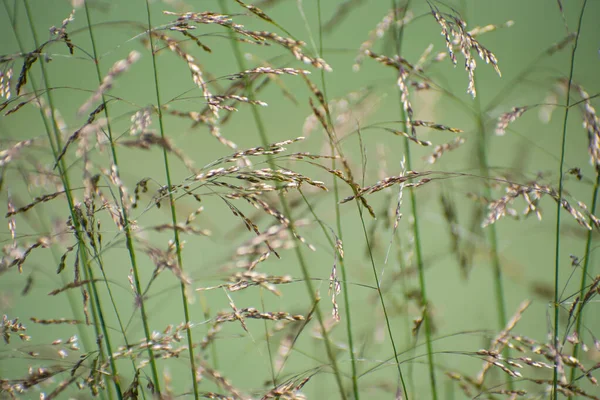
x: 170, y: 236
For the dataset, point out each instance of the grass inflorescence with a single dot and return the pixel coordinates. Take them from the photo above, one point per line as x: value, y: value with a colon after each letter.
x: 200, y: 203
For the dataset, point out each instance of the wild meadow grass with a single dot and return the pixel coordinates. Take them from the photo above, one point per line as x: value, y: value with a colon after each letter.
x: 299, y: 199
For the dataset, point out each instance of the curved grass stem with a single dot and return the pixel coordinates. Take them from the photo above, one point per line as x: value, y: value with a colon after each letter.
x: 338, y: 221
x: 584, y: 274
x: 287, y: 212
x: 184, y: 298
x: 86, y: 341
x: 555, y: 340
x: 54, y: 137
x: 482, y: 147
x: 398, y: 36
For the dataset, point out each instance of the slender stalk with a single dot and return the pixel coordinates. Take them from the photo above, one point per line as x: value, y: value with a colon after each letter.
x: 287, y: 212
x: 124, y: 212
x: 76, y: 314
x: 383, y: 306
x: 274, y: 377
x: 97, y: 255
x: 555, y: 340
x: 398, y: 36
x: 184, y: 299
x: 584, y: 273
x: 55, y: 140
x: 338, y: 222
x: 493, y: 235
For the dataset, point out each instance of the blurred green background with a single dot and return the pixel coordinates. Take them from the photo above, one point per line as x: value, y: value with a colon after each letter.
x: 464, y: 310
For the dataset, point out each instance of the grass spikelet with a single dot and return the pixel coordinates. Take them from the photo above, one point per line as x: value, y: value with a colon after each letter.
x: 507, y: 118
x: 410, y: 137
x: 499, y: 341
x: 256, y: 11
x: 5, y: 78
x: 6, y: 156
x: 78, y: 132
x: 28, y: 62
x: 117, y: 69
x: 41, y: 199
x: 440, y: 150
x: 61, y: 33
x: 103, y: 298
x: 455, y: 33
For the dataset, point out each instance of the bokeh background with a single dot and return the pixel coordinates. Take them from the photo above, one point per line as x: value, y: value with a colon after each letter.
x: 464, y: 309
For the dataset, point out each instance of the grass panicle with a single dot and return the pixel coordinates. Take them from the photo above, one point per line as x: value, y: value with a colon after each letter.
x: 177, y: 182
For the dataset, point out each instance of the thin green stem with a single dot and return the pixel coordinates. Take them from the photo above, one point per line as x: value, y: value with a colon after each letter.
x: 184, y: 299
x: 379, y: 292
x: 97, y: 254
x: 274, y: 376
x: 77, y: 314
x: 125, y: 214
x: 398, y: 36
x: 338, y: 221
x: 584, y: 274
x: 555, y: 340
x: 422, y: 284
x: 55, y: 140
x: 493, y: 235
x: 287, y: 212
